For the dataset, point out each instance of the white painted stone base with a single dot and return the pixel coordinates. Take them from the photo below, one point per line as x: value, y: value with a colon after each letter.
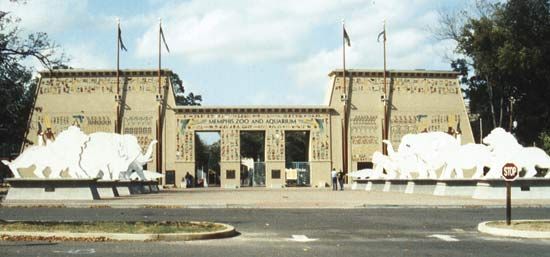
x: 106, y: 192
x: 387, y: 186
x: 123, y: 190
x: 52, y: 189
x: 369, y: 186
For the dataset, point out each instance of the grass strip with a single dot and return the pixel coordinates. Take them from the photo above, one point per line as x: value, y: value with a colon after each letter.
x: 138, y: 227
x: 541, y: 226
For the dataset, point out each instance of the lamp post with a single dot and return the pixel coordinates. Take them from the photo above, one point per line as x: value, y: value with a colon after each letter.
x: 512, y: 101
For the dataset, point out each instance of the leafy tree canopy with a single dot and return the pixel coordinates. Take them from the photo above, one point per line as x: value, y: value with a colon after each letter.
x: 179, y: 92
x: 17, y: 85
x: 506, y: 55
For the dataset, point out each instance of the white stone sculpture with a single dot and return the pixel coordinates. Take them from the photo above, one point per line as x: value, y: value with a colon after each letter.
x: 432, y: 150
x: 505, y: 148
x: 106, y: 156
x: 380, y: 163
x: 466, y: 156
x: 361, y: 174
x: 427, y: 153
x: 407, y: 163
x: 135, y: 169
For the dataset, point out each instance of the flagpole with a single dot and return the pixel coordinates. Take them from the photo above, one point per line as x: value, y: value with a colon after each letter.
x: 386, y: 98
x: 345, y: 127
x: 160, y: 27
x: 159, y: 98
x: 117, y: 96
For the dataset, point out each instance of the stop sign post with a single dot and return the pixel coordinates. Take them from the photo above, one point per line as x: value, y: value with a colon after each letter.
x: 509, y: 173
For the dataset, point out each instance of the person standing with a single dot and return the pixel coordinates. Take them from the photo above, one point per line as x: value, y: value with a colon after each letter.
x: 341, y: 180
x: 334, y: 179
x: 188, y: 180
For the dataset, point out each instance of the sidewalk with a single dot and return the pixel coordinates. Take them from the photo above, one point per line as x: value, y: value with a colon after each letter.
x: 280, y: 198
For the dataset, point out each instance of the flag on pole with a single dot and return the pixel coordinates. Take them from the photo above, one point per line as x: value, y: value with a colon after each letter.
x: 163, y: 39
x: 346, y: 37
x: 383, y: 33
x: 120, y: 39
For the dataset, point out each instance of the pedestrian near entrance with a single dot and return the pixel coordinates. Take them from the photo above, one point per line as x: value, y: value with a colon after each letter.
x: 341, y: 180
x: 334, y: 179
x: 188, y: 180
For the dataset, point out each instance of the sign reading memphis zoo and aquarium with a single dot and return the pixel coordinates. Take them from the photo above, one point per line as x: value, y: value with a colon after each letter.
x: 252, y: 121
x: 274, y: 125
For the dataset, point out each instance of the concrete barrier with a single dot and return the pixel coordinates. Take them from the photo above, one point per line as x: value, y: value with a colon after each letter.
x: 358, y: 186
x: 455, y: 187
x: 52, y: 189
x: 423, y: 186
x: 378, y: 185
x: 123, y: 188
x: 530, y: 188
x: 397, y: 185
x: 107, y: 189
x: 152, y: 185
x: 522, y: 188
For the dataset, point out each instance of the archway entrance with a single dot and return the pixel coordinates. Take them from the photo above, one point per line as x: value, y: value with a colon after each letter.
x: 297, y: 158
x: 207, y: 159
x: 252, y: 158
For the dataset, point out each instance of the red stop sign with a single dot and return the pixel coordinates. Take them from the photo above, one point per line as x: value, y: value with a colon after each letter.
x: 509, y: 171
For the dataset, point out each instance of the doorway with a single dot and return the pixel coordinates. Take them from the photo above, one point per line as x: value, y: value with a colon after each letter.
x: 252, y: 153
x: 297, y: 158
x: 207, y: 159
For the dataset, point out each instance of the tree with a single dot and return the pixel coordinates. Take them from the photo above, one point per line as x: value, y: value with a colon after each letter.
x: 507, y: 46
x: 252, y: 145
x: 296, y: 146
x: 179, y: 90
x: 17, y: 85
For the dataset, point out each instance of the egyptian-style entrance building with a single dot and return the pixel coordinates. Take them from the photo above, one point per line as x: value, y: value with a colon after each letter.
x: 418, y: 101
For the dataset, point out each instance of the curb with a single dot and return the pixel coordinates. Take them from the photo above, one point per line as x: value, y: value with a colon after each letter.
x: 229, y: 231
x: 253, y: 206
x: 504, y: 232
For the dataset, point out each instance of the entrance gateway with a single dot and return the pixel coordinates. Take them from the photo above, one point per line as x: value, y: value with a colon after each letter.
x: 274, y: 123
x: 420, y: 100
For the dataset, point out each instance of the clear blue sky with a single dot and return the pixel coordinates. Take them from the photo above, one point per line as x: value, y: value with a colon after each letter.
x: 244, y: 52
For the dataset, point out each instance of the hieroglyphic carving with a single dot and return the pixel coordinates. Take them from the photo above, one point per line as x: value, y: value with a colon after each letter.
x: 275, y: 145
x: 274, y: 124
x: 142, y: 126
x: 230, y: 139
x: 424, y: 86
x: 320, y: 140
x: 365, y: 135
x: 411, y: 123
x: 57, y: 86
x: 59, y: 121
x: 185, y: 150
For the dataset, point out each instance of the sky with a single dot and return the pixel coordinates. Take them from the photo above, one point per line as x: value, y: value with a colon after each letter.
x: 244, y: 52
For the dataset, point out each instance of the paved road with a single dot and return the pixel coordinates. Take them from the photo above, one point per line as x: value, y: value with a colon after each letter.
x: 265, y: 232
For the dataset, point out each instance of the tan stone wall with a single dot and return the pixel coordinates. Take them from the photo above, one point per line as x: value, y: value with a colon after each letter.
x: 87, y: 99
x: 274, y: 124
x: 419, y: 101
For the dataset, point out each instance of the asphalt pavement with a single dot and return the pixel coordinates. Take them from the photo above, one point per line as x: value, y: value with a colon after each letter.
x: 298, y: 232
x: 293, y: 198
